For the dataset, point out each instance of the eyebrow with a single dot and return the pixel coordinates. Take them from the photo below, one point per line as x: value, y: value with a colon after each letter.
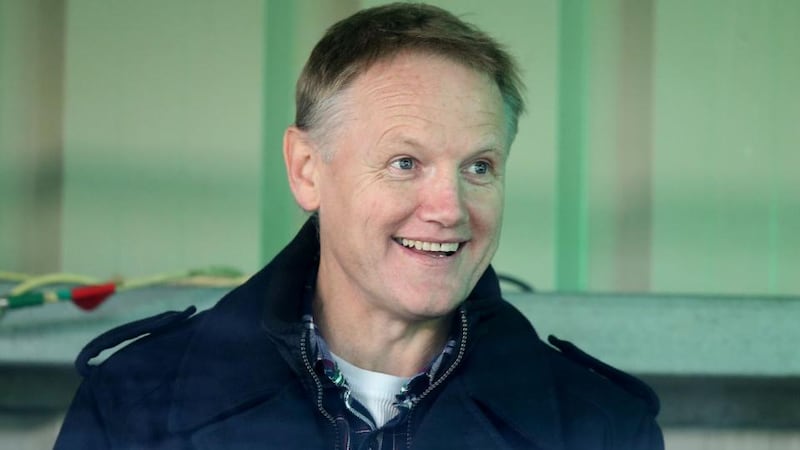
x: 490, y: 144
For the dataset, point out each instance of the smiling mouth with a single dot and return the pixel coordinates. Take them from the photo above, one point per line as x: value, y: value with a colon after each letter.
x: 437, y: 249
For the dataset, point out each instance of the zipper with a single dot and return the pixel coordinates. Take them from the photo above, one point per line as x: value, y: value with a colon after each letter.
x: 318, y: 383
x: 348, y: 403
x: 436, y: 383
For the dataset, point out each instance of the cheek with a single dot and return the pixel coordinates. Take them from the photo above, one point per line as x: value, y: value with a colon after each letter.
x: 339, y: 191
x: 486, y: 208
x: 388, y: 199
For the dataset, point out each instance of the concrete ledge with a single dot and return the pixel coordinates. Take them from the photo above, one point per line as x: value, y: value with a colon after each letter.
x: 36, y: 388
x: 675, y: 334
x: 716, y: 362
x: 644, y: 334
x: 55, y: 333
x: 725, y: 402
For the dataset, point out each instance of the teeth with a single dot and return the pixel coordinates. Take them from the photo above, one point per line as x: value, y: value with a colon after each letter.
x: 449, y: 247
x: 430, y: 246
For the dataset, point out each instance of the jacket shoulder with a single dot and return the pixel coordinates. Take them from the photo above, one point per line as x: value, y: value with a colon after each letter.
x: 575, y: 370
x: 125, y: 400
x: 601, y: 402
x: 590, y: 404
x: 623, y: 380
x: 154, y: 337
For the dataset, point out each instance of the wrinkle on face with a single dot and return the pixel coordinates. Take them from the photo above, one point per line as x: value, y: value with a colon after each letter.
x: 405, y: 104
x: 444, y: 117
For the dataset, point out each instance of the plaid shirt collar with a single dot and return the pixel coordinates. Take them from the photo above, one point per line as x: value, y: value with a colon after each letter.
x: 409, y: 393
x: 351, y: 416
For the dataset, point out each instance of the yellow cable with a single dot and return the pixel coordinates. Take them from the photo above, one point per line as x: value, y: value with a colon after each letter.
x: 211, y: 281
x: 222, y: 276
x: 214, y: 276
x: 13, y: 276
x: 53, y: 278
x: 151, y: 280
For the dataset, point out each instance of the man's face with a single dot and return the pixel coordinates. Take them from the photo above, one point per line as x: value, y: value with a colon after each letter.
x: 411, y: 202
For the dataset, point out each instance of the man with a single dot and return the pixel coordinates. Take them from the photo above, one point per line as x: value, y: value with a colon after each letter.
x: 381, y: 326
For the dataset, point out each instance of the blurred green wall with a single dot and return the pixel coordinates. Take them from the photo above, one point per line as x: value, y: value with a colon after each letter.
x: 162, y: 141
x: 726, y: 147
x: 660, y: 151
x: 31, y: 101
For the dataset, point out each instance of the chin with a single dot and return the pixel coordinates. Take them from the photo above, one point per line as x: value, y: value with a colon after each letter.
x: 435, y: 307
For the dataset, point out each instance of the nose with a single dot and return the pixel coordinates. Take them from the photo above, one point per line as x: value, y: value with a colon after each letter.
x: 442, y: 201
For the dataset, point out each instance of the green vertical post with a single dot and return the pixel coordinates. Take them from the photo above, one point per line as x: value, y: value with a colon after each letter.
x: 571, y: 193
x: 278, y: 210
x: 31, y: 145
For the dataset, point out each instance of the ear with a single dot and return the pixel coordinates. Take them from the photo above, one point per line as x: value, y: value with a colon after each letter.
x: 302, y: 160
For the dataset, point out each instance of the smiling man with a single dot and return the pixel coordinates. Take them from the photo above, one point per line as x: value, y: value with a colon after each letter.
x: 381, y: 325
x: 408, y: 186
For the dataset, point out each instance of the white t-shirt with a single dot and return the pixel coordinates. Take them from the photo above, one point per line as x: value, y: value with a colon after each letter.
x: 375, y: 390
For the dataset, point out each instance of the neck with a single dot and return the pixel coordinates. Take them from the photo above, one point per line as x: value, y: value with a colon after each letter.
x: 377, y: 341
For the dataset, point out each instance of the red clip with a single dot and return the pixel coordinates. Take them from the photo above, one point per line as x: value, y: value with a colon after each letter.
x: 90, y: 297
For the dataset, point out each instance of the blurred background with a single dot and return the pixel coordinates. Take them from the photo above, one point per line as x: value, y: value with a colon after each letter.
x: 659, y: 159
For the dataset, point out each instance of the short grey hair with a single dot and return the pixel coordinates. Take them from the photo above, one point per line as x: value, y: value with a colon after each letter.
x: 350, y: 47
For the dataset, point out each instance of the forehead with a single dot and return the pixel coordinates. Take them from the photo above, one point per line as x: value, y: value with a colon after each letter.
x: 424, y: 74
x: 426, y: 90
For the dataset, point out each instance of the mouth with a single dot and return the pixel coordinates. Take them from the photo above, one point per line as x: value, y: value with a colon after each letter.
x: 434, y: 249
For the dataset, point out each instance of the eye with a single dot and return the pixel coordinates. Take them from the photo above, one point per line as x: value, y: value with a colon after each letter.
x: 403, y: 163
x: 479, y: 167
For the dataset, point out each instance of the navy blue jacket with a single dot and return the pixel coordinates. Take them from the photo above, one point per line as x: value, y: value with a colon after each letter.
x: 232, y: 377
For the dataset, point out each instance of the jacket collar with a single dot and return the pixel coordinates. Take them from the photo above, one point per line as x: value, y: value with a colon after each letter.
x: 506, y: 357
x: 229, y: 363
